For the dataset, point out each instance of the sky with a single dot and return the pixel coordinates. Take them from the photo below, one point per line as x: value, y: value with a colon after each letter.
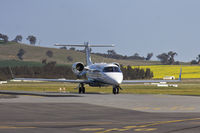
x: 134, y: 26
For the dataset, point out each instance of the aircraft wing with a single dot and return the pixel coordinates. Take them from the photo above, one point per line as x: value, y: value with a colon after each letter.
x: 52, y: 80
x: 148, y: 81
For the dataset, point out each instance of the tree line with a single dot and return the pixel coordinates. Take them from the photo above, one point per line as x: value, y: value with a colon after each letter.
x: 114, y: 55
x: 136, y: 73
x: 165, y: 58
x: 31, y: 38
x: 51, y: 70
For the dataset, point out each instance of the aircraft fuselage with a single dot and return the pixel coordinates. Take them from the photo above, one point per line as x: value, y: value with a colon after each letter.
x: 104, y: 74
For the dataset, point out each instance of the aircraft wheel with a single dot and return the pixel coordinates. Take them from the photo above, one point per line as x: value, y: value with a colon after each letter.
x: 83, y: 90
x: 114, y: 90
x: 80, y: 90
x: 117, y: 90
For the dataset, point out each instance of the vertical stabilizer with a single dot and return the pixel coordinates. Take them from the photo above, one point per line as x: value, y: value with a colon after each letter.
x: 87, y: 52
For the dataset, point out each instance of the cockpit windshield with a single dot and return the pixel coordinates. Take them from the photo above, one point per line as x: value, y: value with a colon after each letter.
x: 111, y: 69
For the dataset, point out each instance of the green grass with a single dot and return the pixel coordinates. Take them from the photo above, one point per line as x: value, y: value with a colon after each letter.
x: 184, y: 88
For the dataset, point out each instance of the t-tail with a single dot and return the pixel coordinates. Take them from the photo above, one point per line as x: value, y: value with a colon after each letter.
x: 87, y: 49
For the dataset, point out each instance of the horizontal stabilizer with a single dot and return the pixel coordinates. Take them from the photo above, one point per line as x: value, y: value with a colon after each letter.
x: 89, y: 45
x: 87, y: 49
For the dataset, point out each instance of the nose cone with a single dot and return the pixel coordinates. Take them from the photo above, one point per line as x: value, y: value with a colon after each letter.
x: 115, y: 78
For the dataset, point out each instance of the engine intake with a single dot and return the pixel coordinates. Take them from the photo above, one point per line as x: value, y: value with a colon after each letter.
x: 77, y: 67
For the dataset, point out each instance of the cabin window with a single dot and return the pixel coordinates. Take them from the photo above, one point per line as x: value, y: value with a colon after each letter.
x: 111, y: 69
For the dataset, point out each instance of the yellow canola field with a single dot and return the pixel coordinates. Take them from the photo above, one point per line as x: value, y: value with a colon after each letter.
x: 160, y: 71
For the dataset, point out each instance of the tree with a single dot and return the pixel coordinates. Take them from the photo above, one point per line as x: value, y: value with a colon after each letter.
x: 167, y: 58
x: 148, y: 73
x: 177, y: 63
x: 197, y: 61
x: 163, y: 58
x: 198, y: 58
x: 136, y: 73
x: 44, y: 61
x: 50, y: 66
x: 136, y: 56
x: 111, y: 52
x: 193, y: 62
x: 171, y: 55
x: 72, y: 48
x: 20, y: 53
x: 18, y: 38
x: 149, y: 55
x: 4, y: 38
x: 49, y: 53
x: 32, y: 39
x: 63, y: 48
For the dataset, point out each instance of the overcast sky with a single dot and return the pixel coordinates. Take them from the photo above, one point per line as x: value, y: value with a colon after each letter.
x: 140, y: 26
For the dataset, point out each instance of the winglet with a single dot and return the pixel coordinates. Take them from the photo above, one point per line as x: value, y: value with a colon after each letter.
x: 180, y: 74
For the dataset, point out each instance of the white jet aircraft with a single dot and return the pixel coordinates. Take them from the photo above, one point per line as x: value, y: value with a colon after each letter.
x: 98, y: 74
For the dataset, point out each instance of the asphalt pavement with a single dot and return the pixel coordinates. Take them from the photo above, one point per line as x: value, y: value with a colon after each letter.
x: 100, y: 113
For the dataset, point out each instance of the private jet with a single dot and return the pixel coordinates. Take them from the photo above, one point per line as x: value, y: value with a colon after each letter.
x: 98, y: 74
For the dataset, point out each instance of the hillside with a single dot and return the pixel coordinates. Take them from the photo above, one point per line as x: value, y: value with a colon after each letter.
x: 37, y: 54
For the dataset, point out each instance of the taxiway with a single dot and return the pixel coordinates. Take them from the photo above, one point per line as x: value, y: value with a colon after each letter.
x: 100, y: 113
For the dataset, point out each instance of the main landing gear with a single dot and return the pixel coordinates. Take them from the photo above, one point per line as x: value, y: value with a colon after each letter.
x: 116, y: 89
x: 81, y: 88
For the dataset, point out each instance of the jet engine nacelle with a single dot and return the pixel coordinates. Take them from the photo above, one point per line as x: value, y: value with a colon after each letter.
x: 77, y: 67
